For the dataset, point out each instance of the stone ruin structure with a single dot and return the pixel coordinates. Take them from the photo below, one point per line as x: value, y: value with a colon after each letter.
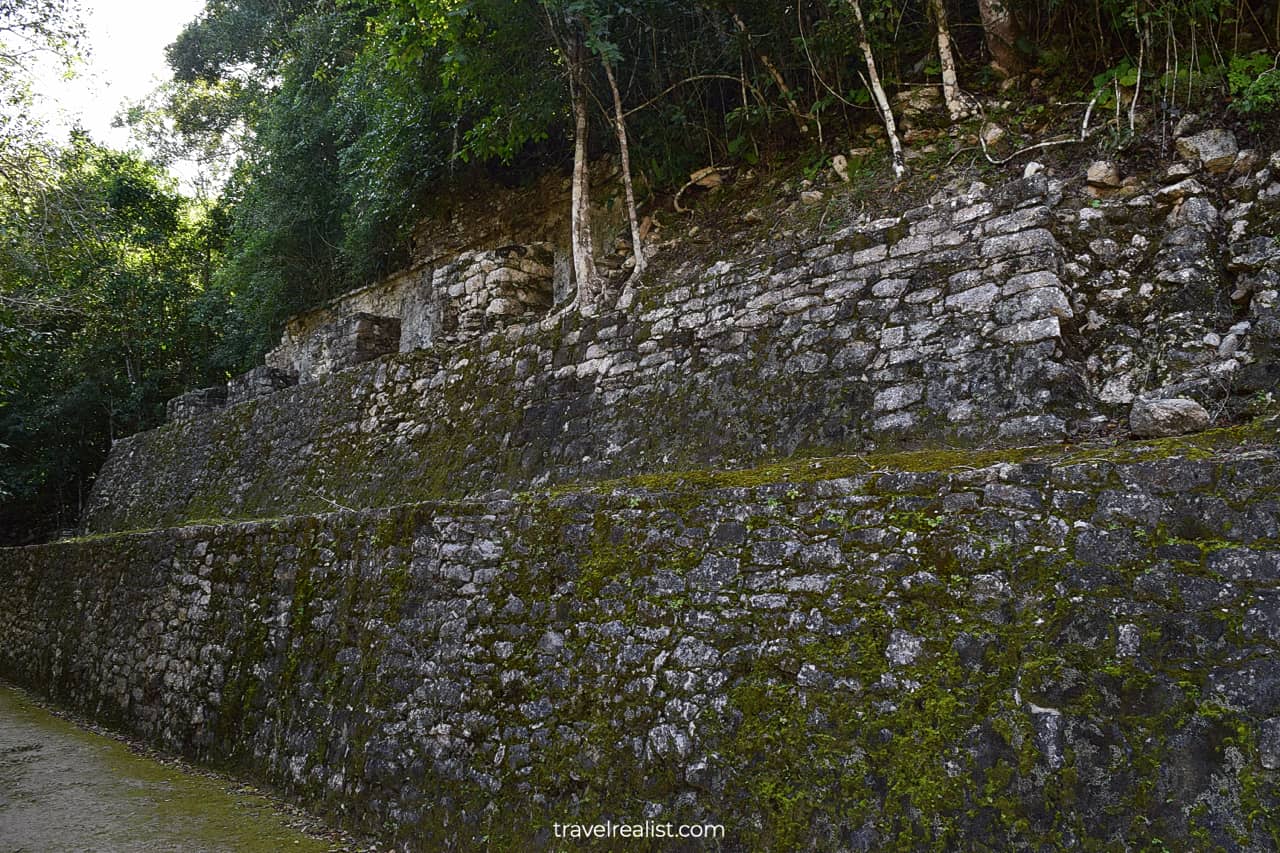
x: 359, y: 589
x: 1031, y: 311
x: 442, y: 305
x: 495, y: 258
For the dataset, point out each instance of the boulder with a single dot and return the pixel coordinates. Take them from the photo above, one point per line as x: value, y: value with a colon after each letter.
x: 1103, y: 173
x: 1248, y: 161
x: 840, y: 165
x: 1216, y: 149
x: 1166, y: 417
x: 993, y: 133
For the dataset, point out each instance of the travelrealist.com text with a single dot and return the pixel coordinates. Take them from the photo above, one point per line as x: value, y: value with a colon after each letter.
x: 647, y: 829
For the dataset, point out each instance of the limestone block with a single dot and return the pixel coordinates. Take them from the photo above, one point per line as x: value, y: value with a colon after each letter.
x: 890, y: 288
x: 356, y: 339
x: 504, y: 274
x: 1269, y: 743
x: 1030, y: 331
x: 1166, y: 417
x: 1195, y: 211
x: 1103, y: 173
x: 503, y: 307
x: 898, y: 397
x: 1180, y: 190
x: 1216, y: 149
x: 1032, y: 305
x: 1020, y: 243
x: 975, y: 299
x: 903, y: 648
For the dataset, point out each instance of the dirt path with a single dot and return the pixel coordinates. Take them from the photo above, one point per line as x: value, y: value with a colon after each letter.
x: 64, y: 789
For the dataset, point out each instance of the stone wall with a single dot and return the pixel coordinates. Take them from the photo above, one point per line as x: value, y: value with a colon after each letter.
x: 349, y: 340
x: 407, y: 296
x: 995, y: 650
x: 194, y: 404
x: 258, y: 382
x: 1023, y: 313
x: 449, y: 303
x: 458, y: 239
x: 858, y: 648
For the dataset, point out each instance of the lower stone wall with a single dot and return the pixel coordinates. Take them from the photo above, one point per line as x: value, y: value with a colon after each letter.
x: 1017, y: 650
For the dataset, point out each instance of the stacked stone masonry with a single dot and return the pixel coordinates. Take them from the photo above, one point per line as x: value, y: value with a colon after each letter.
x: 440, y: 305
x: 258, y: 382
x: 194, y: 404
x: 994, y: 651
x: 1013, y: 314
x: 337, y: 592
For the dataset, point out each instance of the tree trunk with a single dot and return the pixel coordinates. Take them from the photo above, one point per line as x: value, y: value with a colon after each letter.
x: 793, y: 107
x: 877, y: 92
x: 1002, y: 33
x: 950, y: 82
x: 624, y: 150
x: 590, y: 286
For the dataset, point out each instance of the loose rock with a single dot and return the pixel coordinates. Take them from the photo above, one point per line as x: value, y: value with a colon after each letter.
x: 1215, y: 149
x: 1161, y: 418
x: 1103, y: 173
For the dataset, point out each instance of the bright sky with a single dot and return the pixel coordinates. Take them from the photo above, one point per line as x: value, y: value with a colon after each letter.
x: 125, y: 41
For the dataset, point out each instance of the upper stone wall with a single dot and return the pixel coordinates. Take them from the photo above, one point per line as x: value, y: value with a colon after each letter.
x: 1017, y: 314
x: 445, y: 304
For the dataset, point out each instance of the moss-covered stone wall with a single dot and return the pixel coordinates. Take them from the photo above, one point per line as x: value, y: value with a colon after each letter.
x: 1023, y: 650
x: 1016, y: 314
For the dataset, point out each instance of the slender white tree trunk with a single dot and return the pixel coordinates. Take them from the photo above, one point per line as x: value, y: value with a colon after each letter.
x: 1137, y: 87
x: 950, y: 82
x: 590, y: 286
x: 877, y: 92
x: 624, y: 150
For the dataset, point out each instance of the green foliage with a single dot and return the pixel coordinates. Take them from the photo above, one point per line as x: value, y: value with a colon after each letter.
x: 1123, y: 74
x: 1254, y: 80
x: 100, y: 326
x: 474, y: 52
x: 1125, y: 16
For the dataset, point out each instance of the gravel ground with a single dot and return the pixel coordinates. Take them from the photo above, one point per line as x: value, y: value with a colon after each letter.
x: 64, y: 788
